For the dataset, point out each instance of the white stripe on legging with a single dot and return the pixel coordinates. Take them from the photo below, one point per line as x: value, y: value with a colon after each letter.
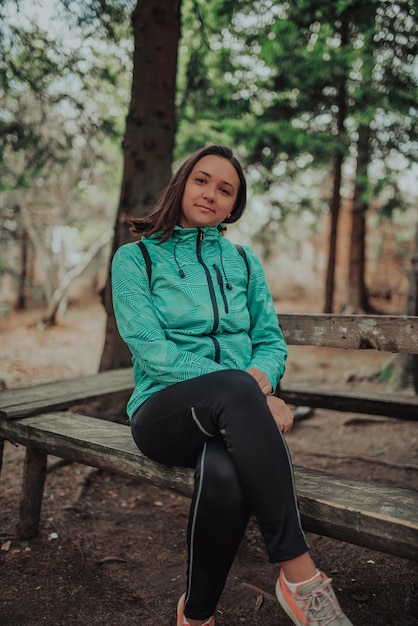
x: 193, y: 525
x: 199, y: 425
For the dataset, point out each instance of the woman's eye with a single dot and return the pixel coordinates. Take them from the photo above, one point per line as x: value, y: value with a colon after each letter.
x: 226, y: 191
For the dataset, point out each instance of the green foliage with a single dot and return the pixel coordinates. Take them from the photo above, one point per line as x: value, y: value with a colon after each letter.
x: 101, y: 19
x: 269, y: 78
x: 280, y: 81
x: 54, y: 96
x: 64, y: 90
x: 389, y: 374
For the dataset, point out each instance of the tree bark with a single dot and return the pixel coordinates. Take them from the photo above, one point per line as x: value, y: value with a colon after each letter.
x: 358, y: 301
x: 22, y: 299
x: 409, y: 362
x: 337, y: 175
x: 149, y: 137
x: 332, y: 253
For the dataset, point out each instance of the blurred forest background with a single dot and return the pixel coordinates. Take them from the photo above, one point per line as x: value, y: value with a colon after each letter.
x: 101, y: 99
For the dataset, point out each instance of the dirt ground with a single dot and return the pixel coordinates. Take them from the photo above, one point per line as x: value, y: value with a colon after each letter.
x: 111, y: 550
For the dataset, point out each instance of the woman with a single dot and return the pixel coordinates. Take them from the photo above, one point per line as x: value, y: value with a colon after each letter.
x: 207, y: 355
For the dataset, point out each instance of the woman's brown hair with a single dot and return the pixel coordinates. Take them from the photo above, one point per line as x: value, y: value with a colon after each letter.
x: 166, y: 213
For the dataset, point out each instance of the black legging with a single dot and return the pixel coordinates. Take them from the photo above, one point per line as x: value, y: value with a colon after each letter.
x: 220, y: 424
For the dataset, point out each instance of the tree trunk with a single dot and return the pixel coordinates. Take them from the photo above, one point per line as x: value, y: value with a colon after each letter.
x: 332, y: 253
x: 37, y: 240
x: 22, y: 299
x: 337, y: 174
x: 60, y: 293
x: 357, y: 293
x: 409, y: 362
x: 149, y: 137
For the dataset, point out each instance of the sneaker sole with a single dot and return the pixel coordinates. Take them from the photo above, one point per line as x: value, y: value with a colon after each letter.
x: 180, y: 612
x: 180, y: 609
x: 285, y: 606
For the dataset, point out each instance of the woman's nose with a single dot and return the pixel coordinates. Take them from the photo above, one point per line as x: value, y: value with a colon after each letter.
x: 209, y: 195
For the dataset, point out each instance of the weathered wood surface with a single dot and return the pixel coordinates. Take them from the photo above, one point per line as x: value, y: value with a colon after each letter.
x: 395, y: 404
x: 23, y: 401
x: 376, y: 516
x: 389, y: 333
x: 94, y: 442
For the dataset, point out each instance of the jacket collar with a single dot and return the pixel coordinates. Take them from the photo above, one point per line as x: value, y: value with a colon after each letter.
x: 207, y: 233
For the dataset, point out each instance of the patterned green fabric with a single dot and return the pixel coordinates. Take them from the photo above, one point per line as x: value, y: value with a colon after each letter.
x: 179, y: 328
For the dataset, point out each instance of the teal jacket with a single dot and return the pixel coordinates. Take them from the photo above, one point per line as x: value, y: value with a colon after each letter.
x: 202, y: 311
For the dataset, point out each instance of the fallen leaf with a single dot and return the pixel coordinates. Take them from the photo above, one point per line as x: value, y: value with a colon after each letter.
x: 258, y: 603
x: 106, y: 559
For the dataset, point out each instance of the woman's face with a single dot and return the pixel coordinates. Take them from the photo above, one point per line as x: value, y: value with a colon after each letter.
x: 210, y: 193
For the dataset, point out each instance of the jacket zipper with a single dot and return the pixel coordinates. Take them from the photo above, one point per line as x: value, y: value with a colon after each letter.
x: 199, y: 240
x: 221, y: 287
x: 217, y: 357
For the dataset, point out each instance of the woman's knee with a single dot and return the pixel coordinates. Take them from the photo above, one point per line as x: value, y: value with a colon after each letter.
x: 238, y: 386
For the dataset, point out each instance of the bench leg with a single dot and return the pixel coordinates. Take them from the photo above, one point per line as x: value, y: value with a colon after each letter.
x: 1, y: 452
x: 32, y: 492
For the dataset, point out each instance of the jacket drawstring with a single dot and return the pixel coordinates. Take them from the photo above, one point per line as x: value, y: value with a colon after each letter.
x: 181, y: 273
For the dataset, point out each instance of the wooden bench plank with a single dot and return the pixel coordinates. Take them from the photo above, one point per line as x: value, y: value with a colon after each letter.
x: 389, y: 333
x: 396, y: 404
x: 24, y: 401
x: 95, y: 442
x: 368, y: 514
x: 376, y: 516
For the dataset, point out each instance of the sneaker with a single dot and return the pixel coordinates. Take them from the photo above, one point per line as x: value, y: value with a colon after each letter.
x: 313, y: 604
x: 180, y: 614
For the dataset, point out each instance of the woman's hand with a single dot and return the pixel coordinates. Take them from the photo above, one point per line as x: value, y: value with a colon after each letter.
x: 262, y: 380
x: 283, y: 416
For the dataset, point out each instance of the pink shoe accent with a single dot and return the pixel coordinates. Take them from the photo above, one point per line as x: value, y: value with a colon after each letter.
x: 181, y: 618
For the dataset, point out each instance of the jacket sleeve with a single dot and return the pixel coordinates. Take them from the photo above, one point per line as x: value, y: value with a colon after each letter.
x: 269, y: 350
x: 139, y: 326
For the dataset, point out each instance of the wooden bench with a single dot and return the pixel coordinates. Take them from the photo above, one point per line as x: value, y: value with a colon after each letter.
x: 385, y: 333
x: 375, y: 516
